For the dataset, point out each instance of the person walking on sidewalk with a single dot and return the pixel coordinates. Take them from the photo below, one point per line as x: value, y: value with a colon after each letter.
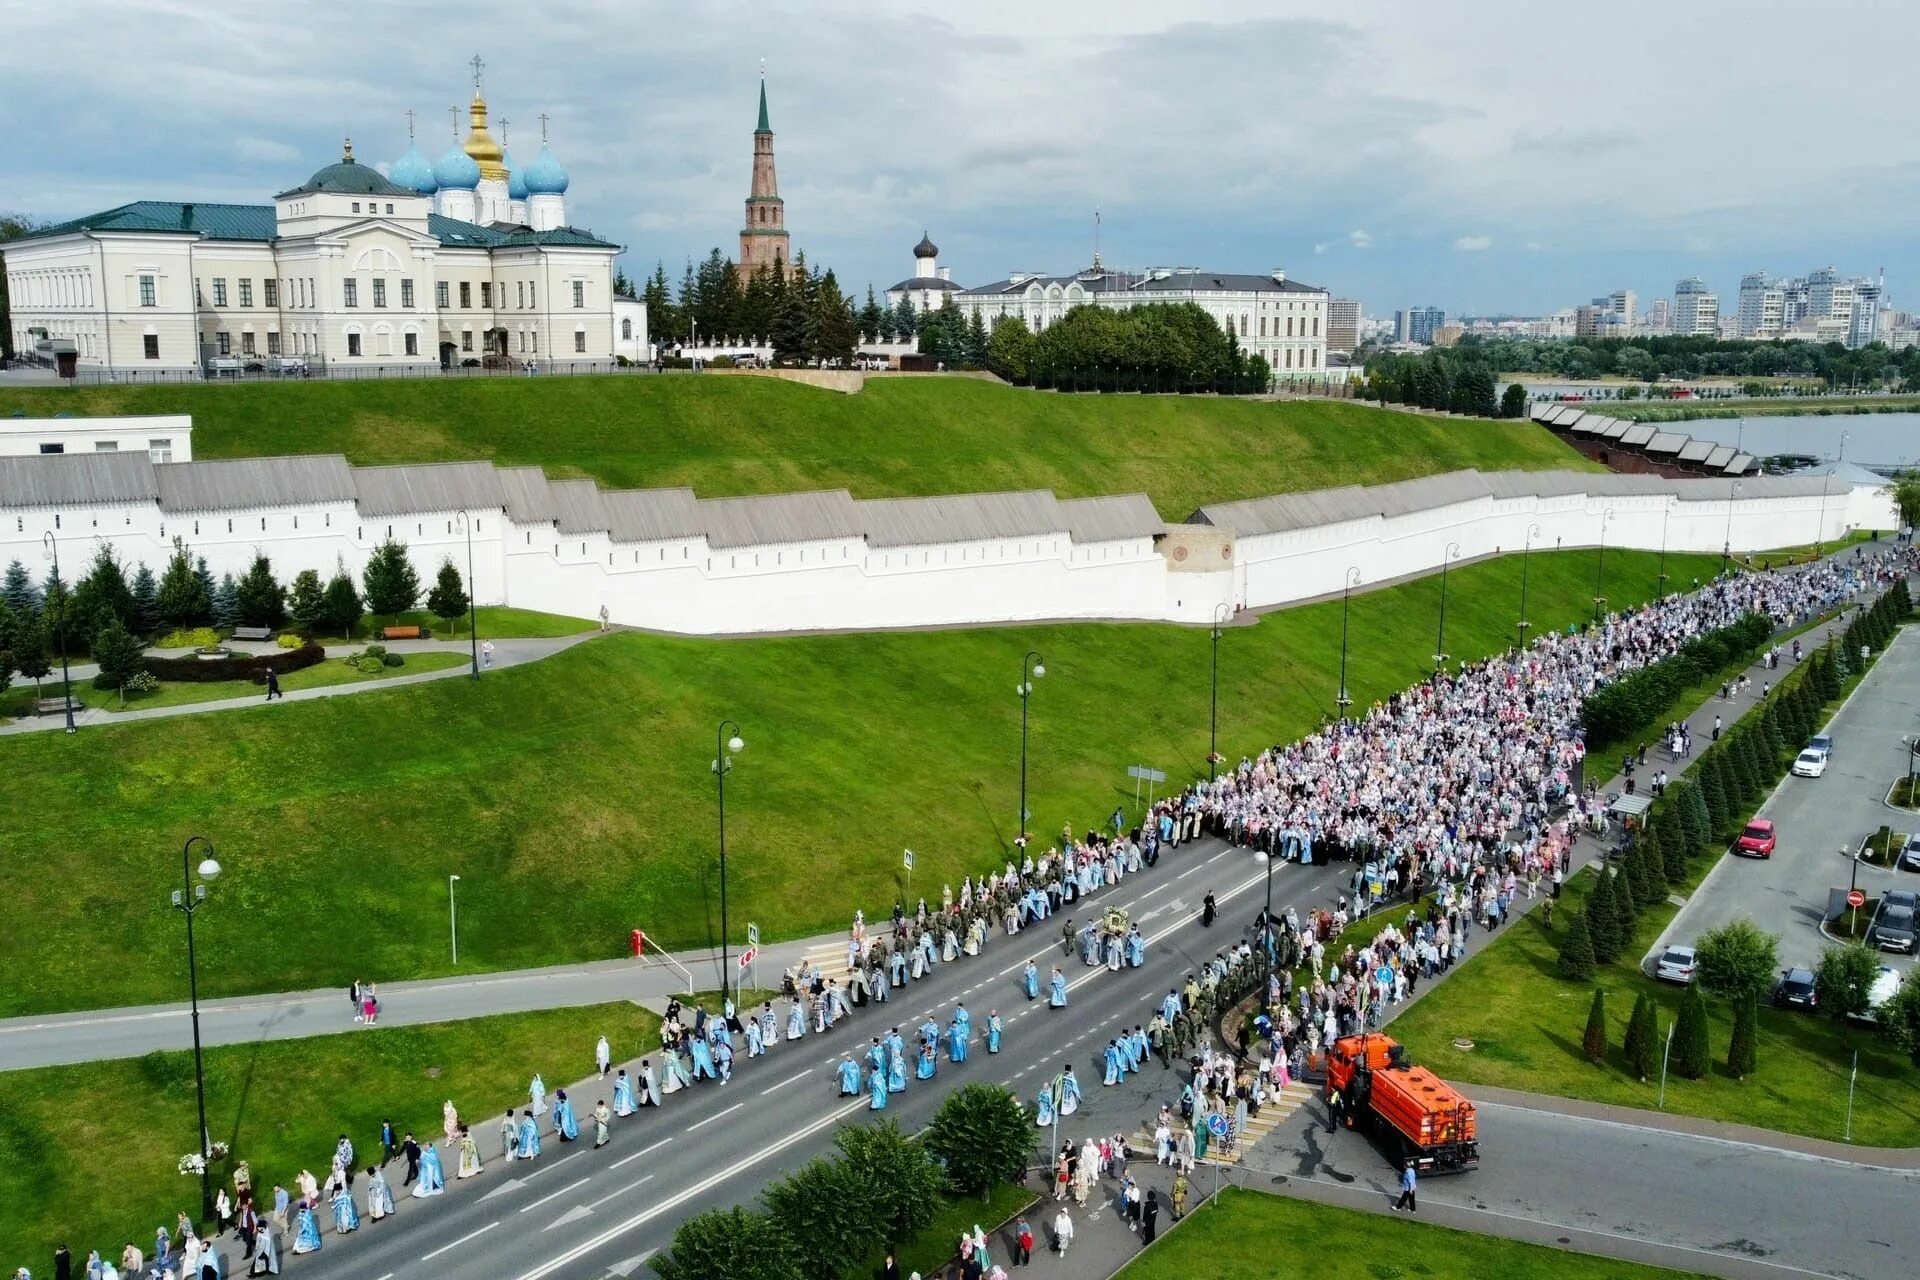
x: 1149, y: 1216
x: 1408, y: 1184
x: 1062, y: 1231
x: 1022, y: 1244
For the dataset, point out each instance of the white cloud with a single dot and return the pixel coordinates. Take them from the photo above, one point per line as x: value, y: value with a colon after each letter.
x: 1473, y: 244
x: 1359, y: 239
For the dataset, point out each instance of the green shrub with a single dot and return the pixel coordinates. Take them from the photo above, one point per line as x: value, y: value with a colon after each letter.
x: 141, y: 682
x: 1576, y: 950
x: 367, y: 665
x: 1642, y: 1035
x: 252, y: 667
x: 289, y: 640
x: 188, y: 638
x: 1692, y: 1055
x: 393, y: 660
x: 1595, y: 1040
x: 1740, y: 1050
x: 1630, y: 704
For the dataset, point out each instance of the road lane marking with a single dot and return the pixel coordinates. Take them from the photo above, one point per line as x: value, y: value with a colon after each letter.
x: 474, y: 1235
x: 571, y: 1186
x: 784, y: 1083
x: 595, y: 1204
x: 710, y: 1119
x: 643, y: 1151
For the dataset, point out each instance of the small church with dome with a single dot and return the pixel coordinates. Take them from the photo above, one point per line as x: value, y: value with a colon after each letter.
x: 464, y: 261
x: 930, y: 286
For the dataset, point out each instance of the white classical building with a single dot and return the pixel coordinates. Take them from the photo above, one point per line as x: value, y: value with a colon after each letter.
x: 460, y: 262
x: 163, y: 437
x: 1270, y: 315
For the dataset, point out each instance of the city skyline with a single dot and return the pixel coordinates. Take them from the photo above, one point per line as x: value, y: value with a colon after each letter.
x: 1477, y: 181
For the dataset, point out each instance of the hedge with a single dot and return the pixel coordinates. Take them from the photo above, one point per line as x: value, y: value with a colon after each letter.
x: 254, y: 667
x: 1626, y: 707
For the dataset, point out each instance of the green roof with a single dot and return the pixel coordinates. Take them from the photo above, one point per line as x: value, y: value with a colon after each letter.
x: 256, y: 222
x: 763, y: 126
x: 452, y: 231
x: 349, y: 177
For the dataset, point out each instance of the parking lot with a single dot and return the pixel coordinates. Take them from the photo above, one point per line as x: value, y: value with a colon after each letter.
x: 1786, y: 895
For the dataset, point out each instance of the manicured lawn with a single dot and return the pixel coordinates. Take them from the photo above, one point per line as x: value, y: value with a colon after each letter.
x: 497, y: 622
x: 88, y: 1154
x: 898, y: 437
x: 1246, y: 1235
x: 574, y: 795
x: 1526, y: 1022
x: 177, y: 693
x: 940, y: 1243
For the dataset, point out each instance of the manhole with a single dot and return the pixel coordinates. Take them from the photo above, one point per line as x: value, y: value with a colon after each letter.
x: 1463, y: 1044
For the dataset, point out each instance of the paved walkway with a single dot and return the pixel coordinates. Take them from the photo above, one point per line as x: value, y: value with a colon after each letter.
x: 506, y: 653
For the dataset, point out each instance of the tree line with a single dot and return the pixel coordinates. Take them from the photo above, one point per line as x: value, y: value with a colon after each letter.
x: 1441, y: 378
x: 1646, y: 359
x: 1173, y: 347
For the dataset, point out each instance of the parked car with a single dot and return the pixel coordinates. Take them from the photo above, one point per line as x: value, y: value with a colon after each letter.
x: 1885, y: 982
x: 1821, y: 742
x: 1893, y: 926
x: 1675, y: 965
x: 1795, y: 990
x: 1757, y: 841
x: 1809, y: 763
x: 1909, y: 858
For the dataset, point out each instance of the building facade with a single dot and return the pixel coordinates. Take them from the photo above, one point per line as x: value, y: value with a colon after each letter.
x: 1417, y: 324
x: 1696, y: 309
x: 1272, y: 316
x: 1343, y: 325
x: 428, y: 266
x: 763, y: 239
x: 930, y: 285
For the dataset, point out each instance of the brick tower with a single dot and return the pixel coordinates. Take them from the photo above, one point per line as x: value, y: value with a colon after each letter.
x: 763, y: 240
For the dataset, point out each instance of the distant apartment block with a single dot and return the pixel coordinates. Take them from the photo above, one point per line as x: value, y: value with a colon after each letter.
x: 1343, y: 325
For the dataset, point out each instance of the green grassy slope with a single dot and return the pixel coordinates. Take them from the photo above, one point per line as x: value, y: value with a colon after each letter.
x: 899, y: 437
x: 574, y: 796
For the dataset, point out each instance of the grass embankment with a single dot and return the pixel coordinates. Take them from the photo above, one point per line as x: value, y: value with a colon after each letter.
x: 89, y: 1154
x: 497, y: 622
x: 1251, y: 1235
x: 332, y: 673
x: 898, y: 437
x: 574, y: 796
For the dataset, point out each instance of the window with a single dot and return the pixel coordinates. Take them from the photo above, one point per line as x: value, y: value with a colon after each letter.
x: 147, y: 292
x: 219, y: 291
x: 356, y: 206
x: 106, y: 446
x: 413, y: 343
x: 580, y: 342
x: 626, y: 331
x: 273, y: 343
x: 270, y: 292
x: 379, y: 293
x: 1316, y: 326
x: 531, y: 286
x: 246, y: 343
x: 389, y: 206
x: 55, y: 447
x: 246, y: 292
x: 466, y: 295
x: 520, y: 293
x: 352, y: 291
x: 160, y: 449
x: 1289, y: 326
x: 224, y: 341
x: 150, y: 346
x: 406, y: 294
x: 353, y: 344
x: 466, y: 337
x: 579, y: 293
x: 486, y: 293
x: 535, y: 337
x: 440, y: 294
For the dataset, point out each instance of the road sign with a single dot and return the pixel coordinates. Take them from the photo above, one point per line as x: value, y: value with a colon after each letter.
x: 753, y: 935
x: 907, y: 861
x: 746, y: 957
x: 1144, y: 774
x: 1217, y: 1125
x: 1856, y: 899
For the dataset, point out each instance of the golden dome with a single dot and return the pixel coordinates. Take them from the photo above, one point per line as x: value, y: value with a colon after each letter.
x: 480, y: 145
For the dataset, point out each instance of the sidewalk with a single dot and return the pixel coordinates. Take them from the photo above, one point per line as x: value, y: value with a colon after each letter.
x: 506, y: 653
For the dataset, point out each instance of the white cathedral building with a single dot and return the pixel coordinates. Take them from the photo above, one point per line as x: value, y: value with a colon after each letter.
x: 456, y: 263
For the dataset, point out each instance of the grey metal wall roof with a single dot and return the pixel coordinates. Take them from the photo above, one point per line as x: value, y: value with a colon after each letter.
x: 577, y: 507
x: 1112, y: 519
x: 652, y: 515
x: 246, y: 483
x: 529, y: 500
x: 76, y: 479
x: 962, y: 517
x: 444, y: 486
x: 1666, y: 442
x: 787, y: 517
x: 1638, y: 434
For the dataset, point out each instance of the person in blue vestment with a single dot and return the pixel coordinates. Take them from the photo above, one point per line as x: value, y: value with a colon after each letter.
x: 850, y: 1075
x: 965, y: 1019
x: 1032, y: 981
x: 956, y: 1041
x: 1043, y: 1106
x: 896, y: 1064
x: 876, y: 1092
x: 623, y: 1104
x: 529, y: 1146
x: 796, y: 1020
x: 929, y: 1030
x: 702, y: 1057
x: 993, y: 1031
x: 924, y: 1071
x: 306, y: 1238
x: 1057, y: 990
x: 1170, y: 1007
x: 345, y: 1216
x: 723, y: 1058
x: 1136, y: 949
x: 1069, y: 1091
x: 433, y: 1179
x: 564, y: 1122
x: 1112, y: 1058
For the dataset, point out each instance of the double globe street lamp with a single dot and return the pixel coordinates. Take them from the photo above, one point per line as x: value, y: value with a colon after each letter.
x: 1031, y: 669
x: 724, y: 750
x: 1526, y: 549
x: 1447, y: 557
x: 1342, y: 700
x: 187, y: 899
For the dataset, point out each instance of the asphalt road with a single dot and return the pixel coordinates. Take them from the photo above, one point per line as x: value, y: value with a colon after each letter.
x: 1787, y: 894
x: 581, y: 1215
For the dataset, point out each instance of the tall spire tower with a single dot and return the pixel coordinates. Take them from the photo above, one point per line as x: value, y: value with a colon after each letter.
x: 763, y: 240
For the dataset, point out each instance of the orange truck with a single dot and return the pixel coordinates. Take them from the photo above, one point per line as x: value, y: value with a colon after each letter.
x: 1416, y: 1114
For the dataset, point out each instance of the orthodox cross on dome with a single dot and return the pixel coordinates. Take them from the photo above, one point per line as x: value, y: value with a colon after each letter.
x: 478, y: 66
x: 346, y: 149
x: 455, y: 113
x: 409, y: 124
x: 503, y: 132
x: 543, y: 128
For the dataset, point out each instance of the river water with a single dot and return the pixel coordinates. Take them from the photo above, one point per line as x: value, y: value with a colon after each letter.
x: 1873, y: 439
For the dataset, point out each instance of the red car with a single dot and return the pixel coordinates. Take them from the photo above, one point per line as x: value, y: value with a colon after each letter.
x: 1757, y: 840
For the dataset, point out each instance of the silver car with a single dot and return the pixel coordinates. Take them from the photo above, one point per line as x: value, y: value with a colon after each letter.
x: 1675, y: 965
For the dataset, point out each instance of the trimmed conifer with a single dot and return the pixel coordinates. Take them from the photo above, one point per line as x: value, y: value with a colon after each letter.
x: 1692, y: 1055
x: 1642, y: 1032
x: 1576, y: 950
x: 1595, y: 1040
x: 1740, y: 1050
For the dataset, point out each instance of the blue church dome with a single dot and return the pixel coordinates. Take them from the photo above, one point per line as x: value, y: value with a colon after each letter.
x: 545, y: 177
x: 457, y: 171
x: 516, y: 181
x: 414, y: 172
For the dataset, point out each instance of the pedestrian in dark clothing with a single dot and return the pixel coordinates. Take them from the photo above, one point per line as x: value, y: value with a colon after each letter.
x: 1333, y: 1108
x: 411, y: 1150
x: 890, y: 1270
x: 389, y: 1147
x: 62, y: 1264
x: 1408, y: 1183
x: 273, y: 685
x: 1208, y: 911
x: 1151, y: 1215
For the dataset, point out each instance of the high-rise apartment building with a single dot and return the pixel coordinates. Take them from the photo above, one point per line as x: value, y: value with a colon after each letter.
x: 1624, y: 305
x: 1696, y: 309
x: 1417, y: 324
x: 1343, y: 325
x: 1761, y: 314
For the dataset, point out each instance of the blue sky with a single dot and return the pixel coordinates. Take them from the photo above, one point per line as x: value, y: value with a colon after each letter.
x: 1481, y: 155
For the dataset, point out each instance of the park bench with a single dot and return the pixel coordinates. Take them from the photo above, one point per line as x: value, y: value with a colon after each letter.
x: 399, y: 633
x: 253, y: 633
x: 55, y: 706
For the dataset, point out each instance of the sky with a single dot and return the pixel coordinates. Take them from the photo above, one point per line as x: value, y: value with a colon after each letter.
x: 1486, y: 156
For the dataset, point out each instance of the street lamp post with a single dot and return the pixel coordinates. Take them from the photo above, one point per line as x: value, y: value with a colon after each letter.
x: 1526, y: 549
x: 724, y: 749
x: 1660, y: 585
x: 453, y: 920
x: 1031, y: 668
x: 1600, y: 570
x: 1341, y: 699
x: 473, y: 611
x: 187, y: 899
x: 1826, y: 482
x: 1440, y: 641
x: 60, y: 625
x: 1726, y: 547
x: 1220, y: 613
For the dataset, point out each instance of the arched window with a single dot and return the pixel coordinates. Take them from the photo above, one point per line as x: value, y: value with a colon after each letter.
x: 626, y: 330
